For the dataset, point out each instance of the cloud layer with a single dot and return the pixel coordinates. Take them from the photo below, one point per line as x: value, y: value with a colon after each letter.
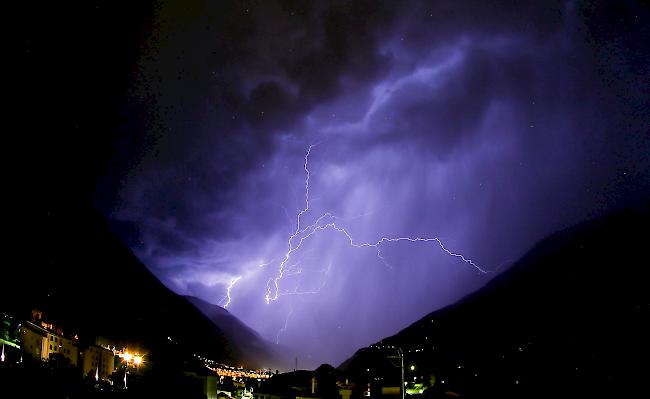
x: 488, y: 127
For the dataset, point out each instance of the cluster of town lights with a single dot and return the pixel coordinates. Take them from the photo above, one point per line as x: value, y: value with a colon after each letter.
x: 224, y: 372
x: 131, y: 358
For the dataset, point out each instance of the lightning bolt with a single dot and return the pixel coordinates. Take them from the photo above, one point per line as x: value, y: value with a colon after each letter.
x: 327, y: 221
x: 283, y: 329
x: 232, y: 284
x: 297, y: 291
x: 297, y: 231
x: 234, y: 280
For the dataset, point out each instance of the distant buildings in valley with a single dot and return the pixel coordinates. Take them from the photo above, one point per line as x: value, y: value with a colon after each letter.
x: 325, y: 382
x: 45, y: 341
x: 106, y: 362
x: 99, y: 361
x: 103, y: 363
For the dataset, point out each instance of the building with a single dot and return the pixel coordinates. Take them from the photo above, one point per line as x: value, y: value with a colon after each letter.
x: 43, y: 340
x: 10, y: 339
x: 345, y: 389
x: 300, y: 384
x: 42, y: 343
x: 207, y: 382
x: 97, y: 361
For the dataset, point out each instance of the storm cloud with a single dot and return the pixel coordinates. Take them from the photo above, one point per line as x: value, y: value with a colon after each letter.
x: 486, y: 126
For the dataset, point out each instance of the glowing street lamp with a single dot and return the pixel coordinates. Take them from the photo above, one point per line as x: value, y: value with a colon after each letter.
x: 130, y: 359
x: 400, y: 356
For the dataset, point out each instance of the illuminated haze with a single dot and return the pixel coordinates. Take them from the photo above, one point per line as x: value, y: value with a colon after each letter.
x: 488, y: 128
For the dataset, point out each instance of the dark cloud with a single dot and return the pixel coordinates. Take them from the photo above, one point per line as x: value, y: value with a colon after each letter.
x: 444, y: 115
x: 218, y: 81
x: 488, y: 126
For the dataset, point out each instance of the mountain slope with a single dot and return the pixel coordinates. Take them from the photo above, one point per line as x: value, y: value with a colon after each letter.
x: 569, y: 319
x: 88, y: 281
x: 247, y: 344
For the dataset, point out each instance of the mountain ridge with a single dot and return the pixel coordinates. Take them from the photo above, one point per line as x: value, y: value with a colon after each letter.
x: 89, y: 282
x: 248, y: 343
x: 570, y: 315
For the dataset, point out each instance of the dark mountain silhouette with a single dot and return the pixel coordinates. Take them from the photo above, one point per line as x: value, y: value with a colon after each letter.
x: 86, y: 280
x: 247, y: 344
x: 570, y: 319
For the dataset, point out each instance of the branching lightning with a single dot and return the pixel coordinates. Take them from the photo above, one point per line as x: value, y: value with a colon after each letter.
x: 296, y: 232
x: 327, y: 221
x: 298, y: 291
x: 234, y: 280
x: 283, y: 329
x: 232, y: 284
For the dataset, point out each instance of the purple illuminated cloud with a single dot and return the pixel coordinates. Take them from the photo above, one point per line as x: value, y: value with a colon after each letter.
x: 488, y: 128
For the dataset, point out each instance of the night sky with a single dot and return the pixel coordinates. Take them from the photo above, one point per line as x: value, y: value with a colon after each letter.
x: 485, y: 126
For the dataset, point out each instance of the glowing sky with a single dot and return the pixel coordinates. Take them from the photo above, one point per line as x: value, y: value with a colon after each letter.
x: 487, y: 127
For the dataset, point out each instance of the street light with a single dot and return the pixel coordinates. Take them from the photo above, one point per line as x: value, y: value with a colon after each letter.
x: 129, y: 358
x: 126, y: 366
x: 401, y: 355
x: 401, y: 358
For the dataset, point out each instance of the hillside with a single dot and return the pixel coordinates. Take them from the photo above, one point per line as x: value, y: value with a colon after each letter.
x: 568, y: 319
x: 88, y: 281
x: 247, y: 344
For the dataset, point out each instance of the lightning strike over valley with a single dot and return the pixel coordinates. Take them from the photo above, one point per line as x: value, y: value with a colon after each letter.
x: 327, y: 221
